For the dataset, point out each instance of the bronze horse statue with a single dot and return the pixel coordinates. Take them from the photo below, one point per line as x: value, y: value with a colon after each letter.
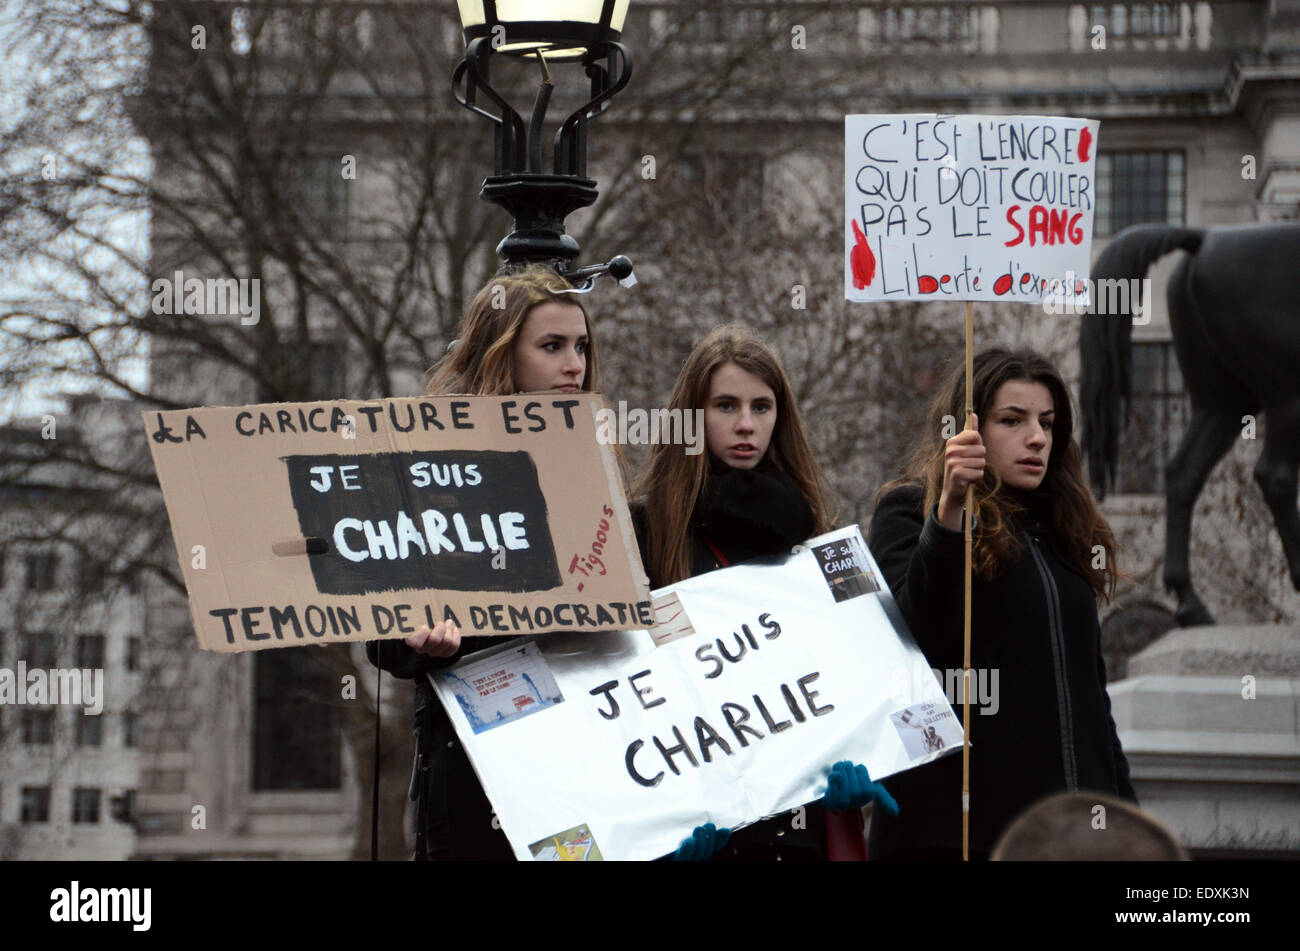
x: 1236, y: 327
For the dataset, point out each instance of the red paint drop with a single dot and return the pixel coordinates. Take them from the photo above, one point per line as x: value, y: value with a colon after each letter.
x: 927, y: 284
x: 1002, y: 285
x: 1085, y: 140
x: 863, y: 261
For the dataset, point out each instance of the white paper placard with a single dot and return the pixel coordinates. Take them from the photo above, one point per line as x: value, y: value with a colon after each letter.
x: 988, y: 208
x: 608, y: 746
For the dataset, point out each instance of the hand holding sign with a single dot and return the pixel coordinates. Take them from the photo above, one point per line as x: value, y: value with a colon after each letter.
x: 702, y: 844
x: 849, y: 786
x: 442, y: 640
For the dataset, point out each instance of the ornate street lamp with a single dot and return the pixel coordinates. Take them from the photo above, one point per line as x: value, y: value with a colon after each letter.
x: 546, y: 31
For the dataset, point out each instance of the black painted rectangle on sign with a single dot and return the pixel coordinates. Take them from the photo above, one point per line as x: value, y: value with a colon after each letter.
x: 843, y: 565
x: 399, y: 520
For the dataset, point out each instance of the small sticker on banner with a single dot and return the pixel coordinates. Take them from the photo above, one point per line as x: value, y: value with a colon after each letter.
x: 844, y: 566
x: 503, y: 686
x: 671, y: 621
x: 927, y: 728
x: 571, y: 845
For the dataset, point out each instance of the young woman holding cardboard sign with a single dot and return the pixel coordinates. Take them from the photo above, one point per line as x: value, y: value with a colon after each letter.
x: 521, y: 334
x: 1043, y: 558
x: 757, y: 491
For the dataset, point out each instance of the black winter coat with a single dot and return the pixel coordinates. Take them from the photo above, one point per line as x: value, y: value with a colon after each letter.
x: 745, y: 514
x: 1036, y: 624
x: 453, y: 815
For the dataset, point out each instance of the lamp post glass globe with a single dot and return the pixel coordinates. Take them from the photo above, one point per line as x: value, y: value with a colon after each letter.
x: 559, y: 29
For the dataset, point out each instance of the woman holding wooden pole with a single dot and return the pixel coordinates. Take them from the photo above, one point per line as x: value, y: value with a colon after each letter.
x: 1043, y: 558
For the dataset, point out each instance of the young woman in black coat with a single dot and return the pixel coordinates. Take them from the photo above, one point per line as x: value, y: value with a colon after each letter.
x: 756, y: 491
x: 1044, y: 558
x: 521, y: 334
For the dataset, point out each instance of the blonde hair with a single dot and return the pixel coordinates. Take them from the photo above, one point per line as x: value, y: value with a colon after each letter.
x: 481, y: 361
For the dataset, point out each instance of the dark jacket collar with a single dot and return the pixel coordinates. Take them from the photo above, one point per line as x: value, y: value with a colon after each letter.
x: 1035, y: 510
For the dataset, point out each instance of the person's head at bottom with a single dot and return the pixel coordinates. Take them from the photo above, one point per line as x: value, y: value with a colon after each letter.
x: 1086, y: 826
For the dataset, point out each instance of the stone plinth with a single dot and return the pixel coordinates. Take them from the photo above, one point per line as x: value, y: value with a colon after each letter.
x: 1210, y: 722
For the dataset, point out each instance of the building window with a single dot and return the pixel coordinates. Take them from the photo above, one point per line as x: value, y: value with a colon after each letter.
x: 363, y: 29
x: 133, y: 653
x: 931, y: 25
x: 726, y: 23
x: 327, y: 369
x: 38, y: 727
x: 323, y: 191
x: 1136, y: 188
x: 38, y: 650
x: 240, y: 40
x: 35, y: 804
x: 130, y: 730
x: 122, y: 806
x: 85, y: 805
x: 90, y: 730
x: 92, y: 574
x: 90, y: 651
x: 41, y: 567
x: 297, y: 740
x: 1156, y: 422
x: 1138, y: 20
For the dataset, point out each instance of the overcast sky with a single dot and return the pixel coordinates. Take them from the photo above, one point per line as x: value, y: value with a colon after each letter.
x: 19, y: 69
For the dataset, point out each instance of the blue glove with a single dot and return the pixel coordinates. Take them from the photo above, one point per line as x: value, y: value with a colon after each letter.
x: 850, y: 787
x: 704, y: 843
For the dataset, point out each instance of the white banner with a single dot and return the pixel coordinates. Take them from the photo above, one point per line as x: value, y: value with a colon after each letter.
x: 989, y: 208
x: 612, y: 746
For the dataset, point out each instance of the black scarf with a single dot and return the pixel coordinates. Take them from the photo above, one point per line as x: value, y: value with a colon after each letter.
x: 760, y: 510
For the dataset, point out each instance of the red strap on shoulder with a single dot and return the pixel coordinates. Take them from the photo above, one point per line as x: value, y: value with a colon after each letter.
x: 714, y: 548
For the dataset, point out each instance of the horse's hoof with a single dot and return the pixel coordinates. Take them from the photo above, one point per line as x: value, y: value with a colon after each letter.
x: 1192, y: 613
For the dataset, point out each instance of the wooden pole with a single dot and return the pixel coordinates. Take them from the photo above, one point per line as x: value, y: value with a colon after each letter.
x: 966, y: 522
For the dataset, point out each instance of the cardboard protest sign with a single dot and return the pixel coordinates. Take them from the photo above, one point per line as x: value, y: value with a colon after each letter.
x: 974, y: 208
x: 756, y: 679
x: 314, y: 523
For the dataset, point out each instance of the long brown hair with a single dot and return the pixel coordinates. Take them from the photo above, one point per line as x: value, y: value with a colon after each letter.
x: 481, y: 363
x: 671, y: 480
x: 1076, y: 520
